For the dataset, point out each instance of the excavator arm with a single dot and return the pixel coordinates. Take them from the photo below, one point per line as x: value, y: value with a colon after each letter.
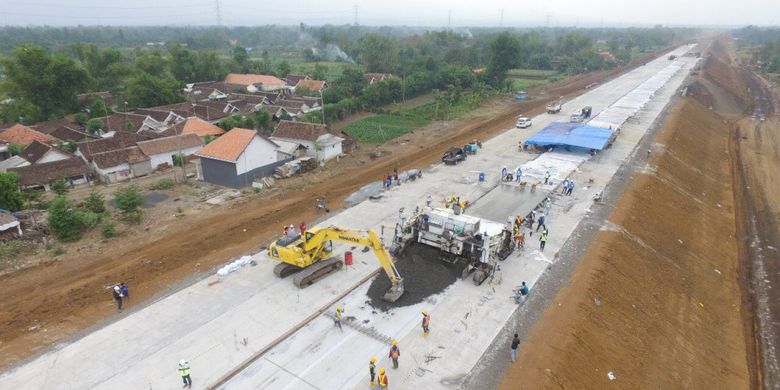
x: 369, y: 239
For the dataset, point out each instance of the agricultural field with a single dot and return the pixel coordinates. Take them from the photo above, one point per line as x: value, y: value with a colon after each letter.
x: 381, y: 128
x: 523, y: 79
x: 385, y: 126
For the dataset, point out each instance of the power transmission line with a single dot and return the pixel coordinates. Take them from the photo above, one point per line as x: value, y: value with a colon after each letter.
x: 219, y: 13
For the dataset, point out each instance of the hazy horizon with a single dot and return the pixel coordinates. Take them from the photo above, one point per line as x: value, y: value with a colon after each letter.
x: 432, y: 13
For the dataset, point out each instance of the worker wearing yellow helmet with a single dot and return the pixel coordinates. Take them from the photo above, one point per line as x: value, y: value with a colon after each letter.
x: 382, y: 379
x: 337, y: 317
x: 426, y: 322
x: 372, y: 371
x: 394, y: 354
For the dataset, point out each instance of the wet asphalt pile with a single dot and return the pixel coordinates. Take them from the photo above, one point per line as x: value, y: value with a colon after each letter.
x: 423, y: 273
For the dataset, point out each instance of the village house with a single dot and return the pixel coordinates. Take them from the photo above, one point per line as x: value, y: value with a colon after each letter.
x: 13, y: 162
x: 199, y: 127
x: 73, y: 170
x: 121, y: 164
x: 372, y: 78
x: 38, y: 152
x: 316, y: 86
x: 238, y: 157
x: 22, y: 136
x: 162, y: 150
x: 256, y: 82
x: 317, y: 140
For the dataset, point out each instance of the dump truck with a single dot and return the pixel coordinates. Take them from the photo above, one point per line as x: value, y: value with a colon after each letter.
x: 554, y: 107
x: 459, y: 237
x: 309, y: 256
x: 581, y: 115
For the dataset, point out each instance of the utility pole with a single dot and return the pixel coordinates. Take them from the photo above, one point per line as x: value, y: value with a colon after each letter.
x: 449, y: 20
x: 501, y: 20
x: 356, y: 14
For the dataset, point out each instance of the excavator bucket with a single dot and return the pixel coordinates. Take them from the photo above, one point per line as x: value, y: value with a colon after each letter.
x: 394, y: 292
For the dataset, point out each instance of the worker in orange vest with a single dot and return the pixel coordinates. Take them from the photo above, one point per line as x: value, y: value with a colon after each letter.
x: 426, y: 322
x: 382, y: 378
x: 394, y: 354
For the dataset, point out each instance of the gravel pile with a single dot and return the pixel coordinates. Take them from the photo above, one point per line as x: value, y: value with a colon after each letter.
x: 424, y: 275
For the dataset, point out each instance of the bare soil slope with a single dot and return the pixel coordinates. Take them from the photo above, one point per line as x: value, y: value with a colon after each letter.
x: 656, y: 297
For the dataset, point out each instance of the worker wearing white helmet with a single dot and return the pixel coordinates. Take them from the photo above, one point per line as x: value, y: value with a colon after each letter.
x: 184, y: 371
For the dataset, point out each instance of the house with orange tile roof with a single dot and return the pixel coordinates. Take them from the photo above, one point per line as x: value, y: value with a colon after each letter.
x: 256, y: 82
x: 239, y: 157
x: 199, y: 127
x: 22, y: 135
x: 315, y: 86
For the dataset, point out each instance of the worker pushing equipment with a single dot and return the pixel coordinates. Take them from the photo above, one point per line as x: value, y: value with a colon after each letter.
x: 337, y: 317
x: 426, y: 322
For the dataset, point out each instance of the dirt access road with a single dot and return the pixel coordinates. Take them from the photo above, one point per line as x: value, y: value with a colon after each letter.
x: 662, y: 297
x: 46, y: 304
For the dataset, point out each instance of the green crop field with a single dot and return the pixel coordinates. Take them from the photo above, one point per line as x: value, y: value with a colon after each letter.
x: 382, y: 128
x: 531, y: 73
x: 523, y: 84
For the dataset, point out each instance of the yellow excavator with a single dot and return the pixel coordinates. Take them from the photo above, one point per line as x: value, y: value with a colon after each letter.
x: 309, y: 256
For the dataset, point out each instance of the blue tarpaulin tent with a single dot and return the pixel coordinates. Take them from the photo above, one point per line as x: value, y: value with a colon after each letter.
x: 572, y: 135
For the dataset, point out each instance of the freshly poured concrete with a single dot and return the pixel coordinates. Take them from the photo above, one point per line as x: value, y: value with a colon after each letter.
x: 218, y: 323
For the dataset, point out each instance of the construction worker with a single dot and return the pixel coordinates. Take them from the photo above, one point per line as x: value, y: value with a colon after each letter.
x: 337, y: 318
x: 540, y: 222
x: 118, y: 297
x: 372, y: 372
x: 394, y: 354
x: 184, y: 371
x: 543, y: 240
x: 382, y: 379
x: 426, y: 322
x: 546, y: 177
x: 429, y: 200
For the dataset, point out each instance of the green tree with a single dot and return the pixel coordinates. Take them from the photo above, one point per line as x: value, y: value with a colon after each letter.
x: 11, y: 197
x: 62, y: 220
x: 60, y: 187
x: 503, y: 56
x: 80, y: 118
x: 129, y: 201
x: 94, y: 125
x: 263, y: 120
x: 14, y: 149
x: 240, y: 60
x: 98, y: 109
x: 284, y: 69
x: 320, y: 72
x: 95, y: 202
x: 47, y: 83
x: 145, y: 90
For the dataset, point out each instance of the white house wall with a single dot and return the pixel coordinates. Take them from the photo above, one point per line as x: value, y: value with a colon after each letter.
x: 162, y: 158
x: 328, y: 152
x: 257, y: 154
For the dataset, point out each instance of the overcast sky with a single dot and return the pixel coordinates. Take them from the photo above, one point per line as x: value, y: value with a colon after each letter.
x: 436, y: 13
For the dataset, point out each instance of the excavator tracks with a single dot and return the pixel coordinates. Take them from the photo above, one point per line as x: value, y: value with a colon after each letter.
x: 317, y: 271
x: 284, y: 270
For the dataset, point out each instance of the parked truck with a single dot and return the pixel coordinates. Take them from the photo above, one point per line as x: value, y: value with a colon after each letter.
x: 554, y: 107
x: 581, y: 115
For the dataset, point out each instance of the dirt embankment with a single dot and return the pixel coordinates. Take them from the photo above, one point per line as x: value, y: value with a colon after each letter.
x: 655, y: 299
x: 48, y: 303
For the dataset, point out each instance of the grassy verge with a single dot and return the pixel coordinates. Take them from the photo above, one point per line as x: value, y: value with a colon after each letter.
x: 380, y: 128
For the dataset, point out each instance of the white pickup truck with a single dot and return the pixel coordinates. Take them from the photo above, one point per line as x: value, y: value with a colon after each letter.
x: 554, y: 107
